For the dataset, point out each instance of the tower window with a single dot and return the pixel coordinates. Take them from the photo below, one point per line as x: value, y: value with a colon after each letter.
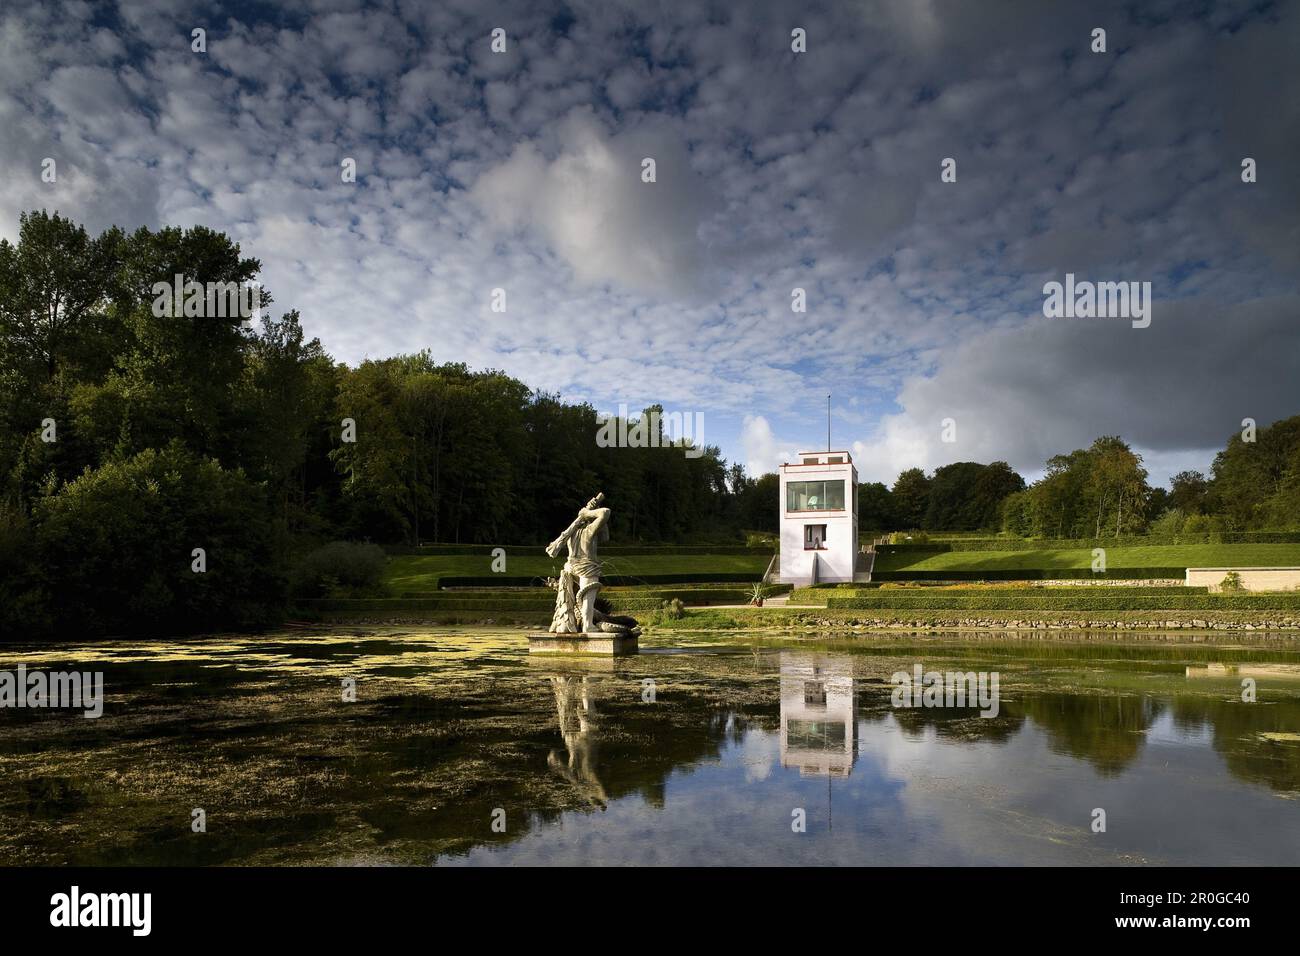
x: 814, y: 537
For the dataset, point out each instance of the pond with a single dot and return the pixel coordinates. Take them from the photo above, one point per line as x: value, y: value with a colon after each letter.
x: 460, y: 749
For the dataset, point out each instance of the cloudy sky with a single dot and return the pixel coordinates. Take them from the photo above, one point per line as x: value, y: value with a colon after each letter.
x: 775, y: 170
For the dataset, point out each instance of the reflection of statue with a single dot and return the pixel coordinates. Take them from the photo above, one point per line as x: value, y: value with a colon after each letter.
x: 579, y: 582
x: 575, y: 704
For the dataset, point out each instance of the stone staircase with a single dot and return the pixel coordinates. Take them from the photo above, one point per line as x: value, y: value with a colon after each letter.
x: 866, y: 562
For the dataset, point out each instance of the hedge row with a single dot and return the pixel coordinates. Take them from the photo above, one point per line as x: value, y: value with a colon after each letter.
x: 614, y: 580
x: 532, y: 609
x: 1031, y: 574
x: 417, y: 604
x: 625, y: 549
x: 824, y: 620
x: 545, y: 597
x: 1071, y: 544
x: 1026, y: 591
x: 1082, y: 602
x: 634, y: 589
x: 422, y: 616
x: 819, y: 593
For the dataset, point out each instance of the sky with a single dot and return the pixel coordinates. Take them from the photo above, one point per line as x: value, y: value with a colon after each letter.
x: 775, y: 170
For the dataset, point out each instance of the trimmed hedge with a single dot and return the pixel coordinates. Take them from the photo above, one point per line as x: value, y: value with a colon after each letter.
x: 614, y: 580
x: 1030, y: 590
x: 819, y: 593
x: 417, y: 604
x: 420, y: 616
x: 1069, y: 544
x: 1083, y: 602
x: 823, y: 620
x: 614, y: 550
x: 635, y: 589
x: 1030, y: 574
x: 545, y: 597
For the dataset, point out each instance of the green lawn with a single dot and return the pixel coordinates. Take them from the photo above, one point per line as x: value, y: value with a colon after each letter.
x: 1185, y: 555
x: 420, y: 573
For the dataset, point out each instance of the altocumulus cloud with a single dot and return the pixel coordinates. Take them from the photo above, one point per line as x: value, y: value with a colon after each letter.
x: 775, y: 170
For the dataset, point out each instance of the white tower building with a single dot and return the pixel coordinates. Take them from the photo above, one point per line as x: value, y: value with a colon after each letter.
x: 819, y: 518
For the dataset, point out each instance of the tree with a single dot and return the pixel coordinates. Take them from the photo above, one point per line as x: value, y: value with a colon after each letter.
x: 967, y: 496
x: 876, y: 510
x: 1116, y: 478
x: 1249, y: 488
x: 54, y: 286
x: 1188, y: 492
x: 911, y: 495
x: 994, y: 484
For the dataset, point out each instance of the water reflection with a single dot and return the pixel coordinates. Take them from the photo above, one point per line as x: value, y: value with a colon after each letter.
x: 451, y: 725
x: 819, y: 714
x: 575, y: 702
x: 1108, y: 731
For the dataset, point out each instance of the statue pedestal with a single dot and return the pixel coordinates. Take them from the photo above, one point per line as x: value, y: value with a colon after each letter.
x: 599, y: 643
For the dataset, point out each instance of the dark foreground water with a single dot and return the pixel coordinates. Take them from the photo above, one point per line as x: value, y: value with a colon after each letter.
x: 460, y: 749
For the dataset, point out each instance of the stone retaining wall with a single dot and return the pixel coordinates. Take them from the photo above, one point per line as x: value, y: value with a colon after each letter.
x: 977, y: 623
x: 1252, y: 579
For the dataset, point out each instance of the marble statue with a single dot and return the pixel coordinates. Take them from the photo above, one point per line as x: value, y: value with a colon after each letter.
x: 579, y: 583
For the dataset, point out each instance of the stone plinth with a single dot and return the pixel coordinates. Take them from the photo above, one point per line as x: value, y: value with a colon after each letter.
x: 607, y: 645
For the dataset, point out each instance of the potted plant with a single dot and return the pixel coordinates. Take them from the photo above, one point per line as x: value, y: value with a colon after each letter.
x: 756, y: 595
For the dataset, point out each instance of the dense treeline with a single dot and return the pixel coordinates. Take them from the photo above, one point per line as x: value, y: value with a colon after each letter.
x: 139, y: 444
x: 1101, y: 491
x: 963, y: 496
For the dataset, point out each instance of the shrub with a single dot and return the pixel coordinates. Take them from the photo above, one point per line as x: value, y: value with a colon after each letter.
x: 116, y: 548
x: 1170, y: 522
x: 1202, y: 524
x: 339, y: 569
x: 909, y: 537
x: 673, y: 610
x: 1231, y: 582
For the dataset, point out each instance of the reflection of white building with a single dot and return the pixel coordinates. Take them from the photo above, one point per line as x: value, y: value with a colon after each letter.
x: 819, y: 714
x: 819, y: 518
